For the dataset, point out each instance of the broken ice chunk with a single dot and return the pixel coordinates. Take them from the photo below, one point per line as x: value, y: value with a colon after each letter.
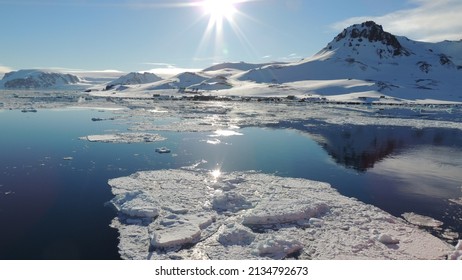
x: 278, y: 249
x: 235, y: 234
x: 387, y: 239
x: 230, y: 201
x: 420, y: 220
x: 176, y: 236
x: 136, y: 204
x: 133, y: 137
x: 283, y: 211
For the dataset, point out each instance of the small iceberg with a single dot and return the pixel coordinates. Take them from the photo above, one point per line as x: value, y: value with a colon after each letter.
x: 162, y: 150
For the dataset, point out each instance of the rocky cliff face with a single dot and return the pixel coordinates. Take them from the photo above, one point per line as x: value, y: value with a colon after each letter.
x: 369, y: 34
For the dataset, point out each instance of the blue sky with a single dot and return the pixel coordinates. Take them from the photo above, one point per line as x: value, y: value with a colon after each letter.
x: 140, y: 35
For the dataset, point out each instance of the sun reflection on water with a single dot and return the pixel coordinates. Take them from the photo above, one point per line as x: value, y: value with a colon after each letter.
x: 216, y: 174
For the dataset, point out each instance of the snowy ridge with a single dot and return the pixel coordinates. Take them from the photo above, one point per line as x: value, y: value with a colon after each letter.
x: 396, y: 66
x: 187, y: 79
x: 38, y: 79
x: 135, y: 78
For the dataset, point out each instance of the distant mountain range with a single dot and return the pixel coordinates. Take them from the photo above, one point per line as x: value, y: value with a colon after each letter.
x: 37, y: 79
x: 362, y: 59
x: 135, y: 78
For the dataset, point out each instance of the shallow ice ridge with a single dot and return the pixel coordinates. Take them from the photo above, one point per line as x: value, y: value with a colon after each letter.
x: 124, y: 138
x: 192, y: 214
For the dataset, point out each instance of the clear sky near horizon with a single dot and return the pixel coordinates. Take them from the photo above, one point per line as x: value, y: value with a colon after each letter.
x: 172, y: 35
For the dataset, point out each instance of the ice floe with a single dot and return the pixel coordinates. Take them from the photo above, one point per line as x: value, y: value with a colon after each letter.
x: 134, y: 137
x: 421, y: 220
x: 191, y: 214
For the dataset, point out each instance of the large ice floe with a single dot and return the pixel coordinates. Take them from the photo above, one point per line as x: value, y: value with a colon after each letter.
x: 135, y: 137
x: 197, y: 214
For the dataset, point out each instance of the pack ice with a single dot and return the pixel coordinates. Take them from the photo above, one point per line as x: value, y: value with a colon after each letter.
x: 193, y: 214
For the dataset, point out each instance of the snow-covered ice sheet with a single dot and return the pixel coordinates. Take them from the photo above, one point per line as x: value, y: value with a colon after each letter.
x: 194, y: 214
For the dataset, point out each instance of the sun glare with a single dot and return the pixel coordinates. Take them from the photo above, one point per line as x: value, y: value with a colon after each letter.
x: 218, y: 10
x: 216, y: 173
x: 223, y: 16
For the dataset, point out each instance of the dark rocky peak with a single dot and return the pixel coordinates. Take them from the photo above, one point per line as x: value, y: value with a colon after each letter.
x: 372, y: 32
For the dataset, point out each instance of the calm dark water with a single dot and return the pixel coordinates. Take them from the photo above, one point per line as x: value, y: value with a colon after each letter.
x: 51, y: 208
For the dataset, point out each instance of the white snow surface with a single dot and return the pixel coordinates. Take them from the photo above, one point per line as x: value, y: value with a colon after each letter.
x: 191, y: 214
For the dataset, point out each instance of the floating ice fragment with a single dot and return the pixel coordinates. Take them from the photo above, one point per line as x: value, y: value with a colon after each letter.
x: 225, y: 133
x: 162, y: 150
x: 214, y: 141
x: 456, y: 200
x: 449, y: 234
x: 124, y: 138
x: 421, y: 220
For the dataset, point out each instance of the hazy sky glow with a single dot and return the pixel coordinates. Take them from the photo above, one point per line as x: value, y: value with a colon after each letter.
x: 168, y: 34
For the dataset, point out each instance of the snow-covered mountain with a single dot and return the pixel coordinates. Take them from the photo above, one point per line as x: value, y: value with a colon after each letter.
x: 38, y: 79
x: 367, y: 53
x: 135, y: 78
x: 363, y: 62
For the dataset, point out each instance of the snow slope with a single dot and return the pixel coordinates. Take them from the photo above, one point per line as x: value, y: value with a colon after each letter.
x: 135, y: 78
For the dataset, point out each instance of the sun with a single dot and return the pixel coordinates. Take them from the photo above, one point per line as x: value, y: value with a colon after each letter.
x: 218, y: 10
x: 223, y: 16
